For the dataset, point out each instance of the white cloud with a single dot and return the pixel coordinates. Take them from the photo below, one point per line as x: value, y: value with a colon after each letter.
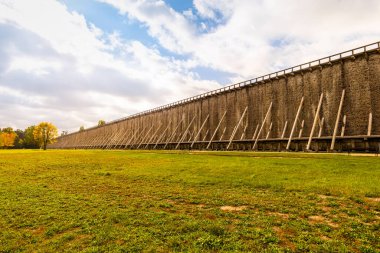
x: 76, y: 72
x: 247, y: 41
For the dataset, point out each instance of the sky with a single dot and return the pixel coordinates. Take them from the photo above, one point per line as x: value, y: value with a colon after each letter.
x: 74, y: 62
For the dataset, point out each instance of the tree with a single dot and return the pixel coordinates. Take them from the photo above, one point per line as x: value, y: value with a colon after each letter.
x: 81, y: 128
x: 101, y: 122
x: 45, y: 133
x: 19, y: 141
x: 29, y: 141
x: 7, y: 137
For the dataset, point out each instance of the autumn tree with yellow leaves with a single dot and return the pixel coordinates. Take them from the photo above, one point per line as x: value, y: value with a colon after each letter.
x: 45, y: 133
x: 7, y: 137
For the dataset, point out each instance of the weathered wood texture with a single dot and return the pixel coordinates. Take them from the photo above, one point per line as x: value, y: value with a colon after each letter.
x: 209, y: 120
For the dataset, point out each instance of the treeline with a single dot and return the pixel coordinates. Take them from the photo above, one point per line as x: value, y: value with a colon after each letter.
x: 32, y: 137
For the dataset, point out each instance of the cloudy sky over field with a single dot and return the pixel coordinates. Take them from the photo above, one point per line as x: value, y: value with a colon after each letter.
x: 73, y: 62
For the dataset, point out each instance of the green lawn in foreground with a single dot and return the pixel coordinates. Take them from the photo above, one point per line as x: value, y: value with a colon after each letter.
x: 132, y: 201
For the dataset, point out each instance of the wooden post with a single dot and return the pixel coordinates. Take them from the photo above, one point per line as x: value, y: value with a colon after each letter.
x: 270, y: 129
x: 294, y: 124
x: 337, y: 120
x: 262, y: 126
x: 314, y: 122
x: 216, y: 129
x: 237, y: 127
x: 343, y: 126
x: 199, y: 132
x: 174, y: 132
x: 284, y: 130
x: 184, y: 134
x: 369, y: 132
x: 321, y: 127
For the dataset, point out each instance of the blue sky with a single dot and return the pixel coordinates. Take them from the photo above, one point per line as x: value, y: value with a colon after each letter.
x: 73, y: 62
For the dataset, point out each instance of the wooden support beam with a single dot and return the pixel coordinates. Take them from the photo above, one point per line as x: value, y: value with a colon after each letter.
x: 143, y: 139
x: 199, y: 132
x: 162, y: 135
x: 257, y: 129
x: 337, y: 120
x: 295, y: 123
x: 321, y: 127
x: 123, y: 137
x: 316, y: 117
x: 284, y: 130
x: 174, y: 133
x: 216, y: 129
x: 130, y: 141
x: 153, y: 136
x: 343, y: 126
x: 301, y: 130
x: 117, y: 133
x: 204, y: 138
x: 224, y: 130
x: 270, y: 129
x: 369, y: 131
x: 262, y: 126
x: 184, y: 134
x: 244, y: 131
x: 237, y: 127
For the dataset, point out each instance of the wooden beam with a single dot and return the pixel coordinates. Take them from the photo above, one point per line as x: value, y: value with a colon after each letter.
x: 162, y: 135
x: 257, y: 129
x: 200, y: 129
x: 204, y: 138
x: 337, y: 120
x: 321, y: 127
x: 216, y: 129
x: 143, y: 139
x: 294, y: 124
x: 316, y: 117
x: 184, y: 134
x: 174, y: 132
x: 369, y: 131
x: 343, y: 126
x: 270, y: 129
x: 224, y: 130
x: 262, y: 126
x: 284, y: 130
x: 244, y: 131
x: 154, y: 135
x: 237, y: 127
x: 301, y: 130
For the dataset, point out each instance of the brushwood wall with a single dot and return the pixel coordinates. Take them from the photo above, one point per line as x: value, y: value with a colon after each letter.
x: 329, y: 104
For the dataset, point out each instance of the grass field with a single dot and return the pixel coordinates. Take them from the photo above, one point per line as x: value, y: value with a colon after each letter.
x: 130, y: 201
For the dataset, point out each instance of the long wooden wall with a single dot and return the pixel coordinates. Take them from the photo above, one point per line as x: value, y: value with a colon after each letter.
x: 273, y: 112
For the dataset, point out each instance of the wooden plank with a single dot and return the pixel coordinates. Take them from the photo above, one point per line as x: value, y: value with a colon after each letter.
x: 337, y: 120
x: 262, y: 126
x: 144, y: 138
x: 216, y: 129
x: 200, y: 129
x: 314, y: 122
x: 301, y: 130
x: 294, y: 124
x: 237, y: 127
x: 204, y: 138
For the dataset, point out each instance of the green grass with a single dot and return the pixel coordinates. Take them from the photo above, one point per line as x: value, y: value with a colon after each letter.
x: 130, y: 201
